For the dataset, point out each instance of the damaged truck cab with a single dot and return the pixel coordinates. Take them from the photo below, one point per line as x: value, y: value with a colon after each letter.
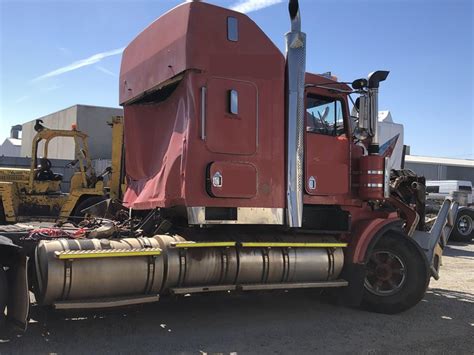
x: 262, y: 175
x: 221, y: 130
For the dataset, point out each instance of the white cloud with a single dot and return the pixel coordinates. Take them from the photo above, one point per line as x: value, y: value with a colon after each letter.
x: 246, y: 6
x: 51, y: 88
x: 105, y: 71
x: 79, y: 64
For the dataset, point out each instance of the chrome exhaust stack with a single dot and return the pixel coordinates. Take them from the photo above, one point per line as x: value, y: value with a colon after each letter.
x: 374, y: 80
x: 295, y: 76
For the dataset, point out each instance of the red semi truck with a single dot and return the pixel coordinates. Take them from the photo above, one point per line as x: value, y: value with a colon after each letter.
x: 260, y: 174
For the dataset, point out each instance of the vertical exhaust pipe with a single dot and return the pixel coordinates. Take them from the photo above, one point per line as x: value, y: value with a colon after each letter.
x: 295, y: 79
x: 373, y: 84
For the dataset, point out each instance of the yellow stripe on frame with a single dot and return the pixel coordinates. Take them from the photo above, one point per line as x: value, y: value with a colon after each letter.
x: 104, y: 254
x: 203, y: 244
x: 292, y: 245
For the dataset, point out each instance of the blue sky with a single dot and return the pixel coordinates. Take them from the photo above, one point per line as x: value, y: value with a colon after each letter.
x: 426, y: 44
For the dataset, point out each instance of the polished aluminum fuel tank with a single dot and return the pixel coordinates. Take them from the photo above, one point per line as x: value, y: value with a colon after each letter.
x: 69, y: 269
x: 92, y: 269
x: 206, y: 264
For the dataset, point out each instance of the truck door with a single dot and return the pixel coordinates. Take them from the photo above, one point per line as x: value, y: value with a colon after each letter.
x: 326, y: 147
x: 231, y: 127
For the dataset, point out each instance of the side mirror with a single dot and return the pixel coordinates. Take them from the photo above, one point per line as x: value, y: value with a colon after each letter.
x: 359, y: 84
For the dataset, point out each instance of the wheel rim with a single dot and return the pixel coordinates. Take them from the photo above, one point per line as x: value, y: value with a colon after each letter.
x: 465, y: 225
x: 386, y: 273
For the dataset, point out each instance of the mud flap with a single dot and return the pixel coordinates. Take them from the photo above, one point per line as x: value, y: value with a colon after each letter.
x: 18, y: 303
x: 351, y: 296
x: 434, y: 241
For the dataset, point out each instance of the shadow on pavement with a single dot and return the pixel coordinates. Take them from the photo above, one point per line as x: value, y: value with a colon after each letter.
x: 456, y: 250
x: 278, y: 322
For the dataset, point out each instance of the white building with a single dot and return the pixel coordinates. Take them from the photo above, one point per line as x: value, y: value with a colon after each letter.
x: 91, y: 120
x: 11, y: 147
x: 441, y: 168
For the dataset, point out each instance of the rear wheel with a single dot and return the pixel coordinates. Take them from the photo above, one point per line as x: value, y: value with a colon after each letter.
x: 396, y: 276
x: 463, y: 230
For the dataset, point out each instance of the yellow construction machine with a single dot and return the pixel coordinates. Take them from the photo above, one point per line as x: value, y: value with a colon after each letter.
x: 35, y: 193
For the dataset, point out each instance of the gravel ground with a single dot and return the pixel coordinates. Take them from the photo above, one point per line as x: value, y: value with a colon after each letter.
x: 284, y: 322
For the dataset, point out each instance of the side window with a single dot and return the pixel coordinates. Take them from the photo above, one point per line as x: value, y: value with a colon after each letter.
x: 324, y: 116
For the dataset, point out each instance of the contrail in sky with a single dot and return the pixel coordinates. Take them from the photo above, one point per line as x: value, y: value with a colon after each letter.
x: 241, y: 6
x: 253, y: 5
x: 21, y: 99
x: 79, y: 64
x: 105, y: 71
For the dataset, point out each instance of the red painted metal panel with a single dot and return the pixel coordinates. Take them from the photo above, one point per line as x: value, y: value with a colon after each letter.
x: 166, y: 155
x: 193, y: 35
x: 226, y: 132
x: 155, y: 55
x: 327, y: 161
x: 238, y: 180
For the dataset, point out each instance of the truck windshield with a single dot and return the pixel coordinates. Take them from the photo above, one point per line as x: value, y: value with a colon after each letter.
x: 324, y: 116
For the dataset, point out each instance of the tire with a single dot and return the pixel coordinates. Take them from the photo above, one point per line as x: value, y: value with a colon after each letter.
x: 397, y: 275
x: 463, y: 230
x: 3, y: 293
x: 87, y: 202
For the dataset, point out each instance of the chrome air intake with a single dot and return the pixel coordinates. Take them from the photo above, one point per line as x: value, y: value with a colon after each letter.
x: 295, y: 72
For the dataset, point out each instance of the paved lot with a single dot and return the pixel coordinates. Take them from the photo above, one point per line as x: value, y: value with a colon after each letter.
x: 293, y: 322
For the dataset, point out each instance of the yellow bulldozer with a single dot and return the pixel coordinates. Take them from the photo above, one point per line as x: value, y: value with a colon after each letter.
x: 35, y: 193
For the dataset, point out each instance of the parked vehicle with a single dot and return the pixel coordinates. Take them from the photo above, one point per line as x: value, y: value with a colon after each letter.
x: 245, y: 173
x: 461, y: 192
x: 35, y: 193
x: 437, y: 189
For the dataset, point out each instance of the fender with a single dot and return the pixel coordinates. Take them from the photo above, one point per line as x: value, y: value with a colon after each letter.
x: 365, y: 235
x: 464, y: 208
x: 397, y: 227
